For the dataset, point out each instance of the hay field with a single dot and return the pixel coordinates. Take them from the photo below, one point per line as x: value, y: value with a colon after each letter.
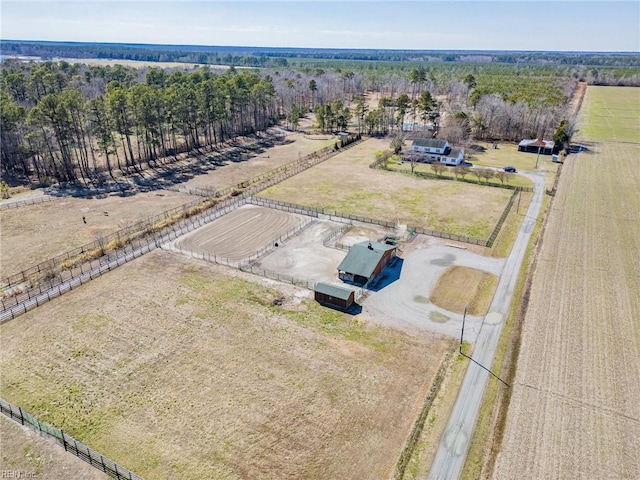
x: 574, y: 411
x: 610, y: 114
x: 35, y: 233
x: 177, y: 368
x: 346, y: 183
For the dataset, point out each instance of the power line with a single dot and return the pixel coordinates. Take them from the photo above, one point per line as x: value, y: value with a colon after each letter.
x: 464, y: 316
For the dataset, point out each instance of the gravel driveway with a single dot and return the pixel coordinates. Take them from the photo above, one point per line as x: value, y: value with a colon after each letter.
x: 404, y: 303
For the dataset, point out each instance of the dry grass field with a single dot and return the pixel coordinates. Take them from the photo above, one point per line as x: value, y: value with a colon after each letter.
x: 461, y: 287
x: 34, y: 233
x: 233, y: 173
x: 23, y: 451
x: 346, y: 183
x: 179, y: 368
x: 574, y: 410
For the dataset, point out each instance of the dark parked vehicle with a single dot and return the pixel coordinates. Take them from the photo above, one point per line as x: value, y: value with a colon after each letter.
x: 510, y: 169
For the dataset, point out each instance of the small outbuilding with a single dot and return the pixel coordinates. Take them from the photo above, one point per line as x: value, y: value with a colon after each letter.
x: 335, y: 296
x: 364, y: 261
x: 545, y: 147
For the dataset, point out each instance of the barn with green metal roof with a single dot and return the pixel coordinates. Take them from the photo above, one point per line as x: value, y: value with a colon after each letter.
x: 365, y: 261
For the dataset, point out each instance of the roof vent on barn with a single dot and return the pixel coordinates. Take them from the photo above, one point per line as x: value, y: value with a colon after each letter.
x: 370, y: 247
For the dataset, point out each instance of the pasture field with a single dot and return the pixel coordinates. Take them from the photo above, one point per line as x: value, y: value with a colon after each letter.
x: 574, y: 411
x: 610, y: 114
x: 179, y: 368
x: 34, y: 233
x: 23, y: 450
x: 346, y: 183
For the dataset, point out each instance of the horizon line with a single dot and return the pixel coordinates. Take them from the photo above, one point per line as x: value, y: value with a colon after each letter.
x: 344, y: 49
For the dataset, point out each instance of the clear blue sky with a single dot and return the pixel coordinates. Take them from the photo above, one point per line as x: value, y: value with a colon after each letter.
x: 560, y: 25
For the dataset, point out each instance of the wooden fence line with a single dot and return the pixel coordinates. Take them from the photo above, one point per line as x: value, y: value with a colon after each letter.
x: 501, y: 220
x: 342, y: 217
x: 326, y: 241
x: 26, y: 201
x: 73, y: 278
x: 69, y: 443
x: 434, y: 176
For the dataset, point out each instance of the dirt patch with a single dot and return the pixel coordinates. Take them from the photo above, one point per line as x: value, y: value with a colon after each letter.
x: 304, y: 256
x: 230, y: 173
x: 363, y: 232
x: 462, y: 287
x: 177, y: 367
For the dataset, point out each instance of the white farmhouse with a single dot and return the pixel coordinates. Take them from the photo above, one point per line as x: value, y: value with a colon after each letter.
x: 436, y: 150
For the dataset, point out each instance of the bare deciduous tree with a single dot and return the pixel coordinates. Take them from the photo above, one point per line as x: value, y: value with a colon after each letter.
x: 438, y: 168
x: 461, y: 170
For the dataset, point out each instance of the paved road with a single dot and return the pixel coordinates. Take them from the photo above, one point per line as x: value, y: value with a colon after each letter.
x: 454, y: 444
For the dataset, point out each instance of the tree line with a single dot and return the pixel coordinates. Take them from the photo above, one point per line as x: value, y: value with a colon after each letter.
x: 67, y: 122
x: 266, y: 56
x: 60, y: 122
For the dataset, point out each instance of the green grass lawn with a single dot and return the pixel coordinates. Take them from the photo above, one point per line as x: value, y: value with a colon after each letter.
x: 610, y: 114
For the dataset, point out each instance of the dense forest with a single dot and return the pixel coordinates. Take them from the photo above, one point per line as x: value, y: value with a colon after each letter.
x: 65, y: 122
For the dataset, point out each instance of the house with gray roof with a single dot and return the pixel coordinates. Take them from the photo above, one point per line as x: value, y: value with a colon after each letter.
x: 431, y: 150
x: 430, y: 145
x: 365, y: 261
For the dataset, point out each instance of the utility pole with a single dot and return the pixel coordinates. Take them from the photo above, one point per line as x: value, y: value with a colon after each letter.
x: 539, y: 147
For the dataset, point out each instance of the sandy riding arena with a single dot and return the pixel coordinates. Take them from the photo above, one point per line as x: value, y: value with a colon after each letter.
x: 242, y: 232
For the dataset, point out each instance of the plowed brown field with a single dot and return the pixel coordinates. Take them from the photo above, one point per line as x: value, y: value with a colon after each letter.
x: 575, y: 409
